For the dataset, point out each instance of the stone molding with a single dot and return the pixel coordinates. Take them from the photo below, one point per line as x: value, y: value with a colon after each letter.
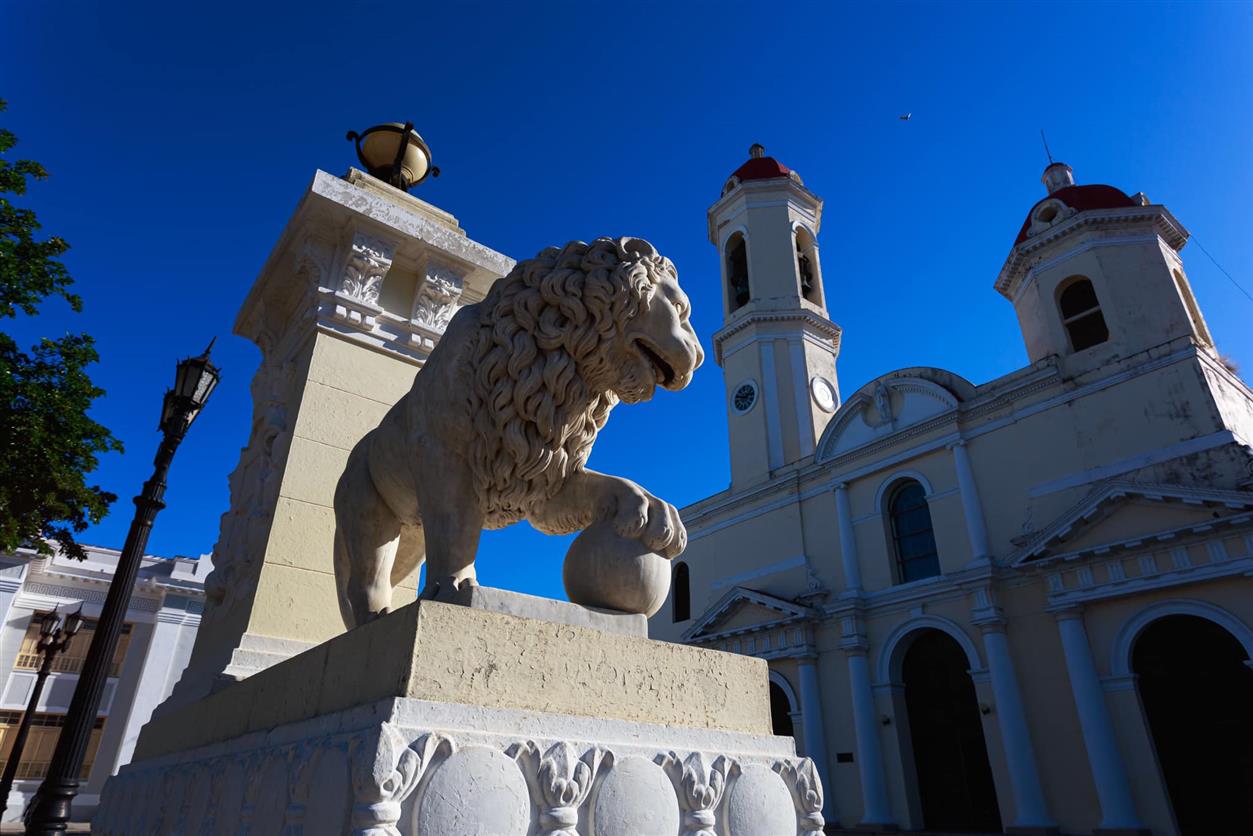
x: 808, y: 318
x: 403, y: 767
x: 87, y: 596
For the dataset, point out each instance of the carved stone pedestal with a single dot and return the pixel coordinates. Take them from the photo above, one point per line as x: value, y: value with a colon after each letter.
x: 439, y: 720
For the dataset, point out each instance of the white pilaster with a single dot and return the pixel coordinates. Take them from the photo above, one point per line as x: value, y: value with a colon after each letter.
x: 770, y: 402
x: 156, y: 678
x: 876, y: 811
x: 815, y: 735
x: 848, y: 541
x: 1029, y: 804
x: 1118, y: 811
x: 976, y: 528
x: 11, y: 576
x: 800, y: 387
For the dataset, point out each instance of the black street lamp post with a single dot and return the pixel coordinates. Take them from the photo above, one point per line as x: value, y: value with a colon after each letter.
x: 53, y: 641
x: 50, y: 811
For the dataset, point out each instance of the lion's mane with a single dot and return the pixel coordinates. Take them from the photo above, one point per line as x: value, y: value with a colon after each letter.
x: 543, y: 362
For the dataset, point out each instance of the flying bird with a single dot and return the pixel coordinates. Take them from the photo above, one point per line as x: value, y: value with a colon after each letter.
x: 905, y: 117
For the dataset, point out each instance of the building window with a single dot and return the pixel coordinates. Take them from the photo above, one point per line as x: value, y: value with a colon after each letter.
x: 1081, y: 314
x: 42, y: 742
x: 737, y: 272
x: 71, y: 661
x: 807, y: 266
x: 680, y: 594
x: 916, y: 557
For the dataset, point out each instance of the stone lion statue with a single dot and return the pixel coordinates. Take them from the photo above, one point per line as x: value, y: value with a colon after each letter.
x: 500, y: 422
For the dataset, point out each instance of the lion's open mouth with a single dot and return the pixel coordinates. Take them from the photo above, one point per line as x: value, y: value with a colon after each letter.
x: 662, y: 371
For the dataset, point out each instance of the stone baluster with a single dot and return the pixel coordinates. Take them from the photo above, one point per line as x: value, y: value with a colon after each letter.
x: 806, y: 788
x: 560, y: 782
x: 700, y: 788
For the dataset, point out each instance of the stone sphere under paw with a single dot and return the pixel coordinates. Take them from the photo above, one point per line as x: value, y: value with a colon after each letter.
x: 606, y: 570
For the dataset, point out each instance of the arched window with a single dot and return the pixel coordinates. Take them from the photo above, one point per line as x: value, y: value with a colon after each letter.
x: 680, y: 594
x: 1081, y: 314
x: 912, y: 535
x: 737, y: 272
x: 807, y: 265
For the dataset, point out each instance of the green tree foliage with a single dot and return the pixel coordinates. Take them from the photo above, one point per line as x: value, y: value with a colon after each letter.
x: 47, y: 442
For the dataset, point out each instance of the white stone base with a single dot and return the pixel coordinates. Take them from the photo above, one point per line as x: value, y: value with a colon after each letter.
x: 257, y: 653
x: 410, y: 766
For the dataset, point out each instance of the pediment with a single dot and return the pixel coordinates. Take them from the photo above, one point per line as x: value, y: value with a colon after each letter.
x: 882, y: 407
x: 742, y: 610
x: 1120, y: 515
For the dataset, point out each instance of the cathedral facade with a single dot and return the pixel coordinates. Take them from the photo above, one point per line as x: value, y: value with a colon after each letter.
x: 1018, y: 606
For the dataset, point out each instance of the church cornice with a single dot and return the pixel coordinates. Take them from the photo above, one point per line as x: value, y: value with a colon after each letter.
x: 789, y: 612
x: 823, y: 326
x: 1023, y: 256
x: 1100, y: 502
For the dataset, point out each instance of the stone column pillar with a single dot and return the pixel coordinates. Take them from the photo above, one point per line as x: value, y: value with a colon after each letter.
x: 848, y: 541
x: 971, y: 507
x: 1030, y: 808
x: 815, y: 736
x: 1118, y: 809
x: 876, y: 811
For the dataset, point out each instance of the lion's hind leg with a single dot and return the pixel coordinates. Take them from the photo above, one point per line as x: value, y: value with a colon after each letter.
x: 367, y: 534
x: 410, y: 554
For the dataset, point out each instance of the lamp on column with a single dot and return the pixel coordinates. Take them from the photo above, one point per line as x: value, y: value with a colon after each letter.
x: 395, y: 154
x: 195, y: 378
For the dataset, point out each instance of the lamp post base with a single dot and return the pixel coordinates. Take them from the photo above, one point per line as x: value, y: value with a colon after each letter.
x: 51, y: 808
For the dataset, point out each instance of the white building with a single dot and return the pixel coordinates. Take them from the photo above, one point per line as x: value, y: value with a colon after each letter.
x: 1023, y: 605
x: 152, y: 651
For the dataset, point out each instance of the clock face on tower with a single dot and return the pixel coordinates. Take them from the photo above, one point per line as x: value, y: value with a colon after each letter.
x: 744, y: 396
x: 823, y: 392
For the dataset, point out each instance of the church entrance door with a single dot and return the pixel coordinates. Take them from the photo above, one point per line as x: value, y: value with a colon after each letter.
x: 1197, y: 691
x: 954, y: 778
x: 780, y: 712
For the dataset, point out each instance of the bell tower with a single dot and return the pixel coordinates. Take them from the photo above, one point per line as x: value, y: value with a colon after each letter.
x: 1096, y: 277
x: 777, y: 347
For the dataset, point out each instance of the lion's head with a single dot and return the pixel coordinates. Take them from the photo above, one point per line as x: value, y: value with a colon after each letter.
x: 561, y: 339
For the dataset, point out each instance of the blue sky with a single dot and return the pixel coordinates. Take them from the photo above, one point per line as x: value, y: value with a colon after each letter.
x: 180, y: 137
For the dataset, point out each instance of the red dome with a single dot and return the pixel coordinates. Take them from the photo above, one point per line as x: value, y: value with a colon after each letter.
x: 761, y: 168
x: 1081, y: 199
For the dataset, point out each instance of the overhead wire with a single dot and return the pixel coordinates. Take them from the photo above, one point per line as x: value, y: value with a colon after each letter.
x: 1231, y: 278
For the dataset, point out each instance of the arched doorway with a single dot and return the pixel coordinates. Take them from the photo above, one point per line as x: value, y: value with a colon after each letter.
x: 1197, y: 691
x: 955, y: 786
x: 780, y: 712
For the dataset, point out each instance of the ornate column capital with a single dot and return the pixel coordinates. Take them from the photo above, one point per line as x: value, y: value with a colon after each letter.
x: 1067, y: 612
x: 438, y: 295
x: 986, y: 613
x: 852, y: 635
x: 369, y: 259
